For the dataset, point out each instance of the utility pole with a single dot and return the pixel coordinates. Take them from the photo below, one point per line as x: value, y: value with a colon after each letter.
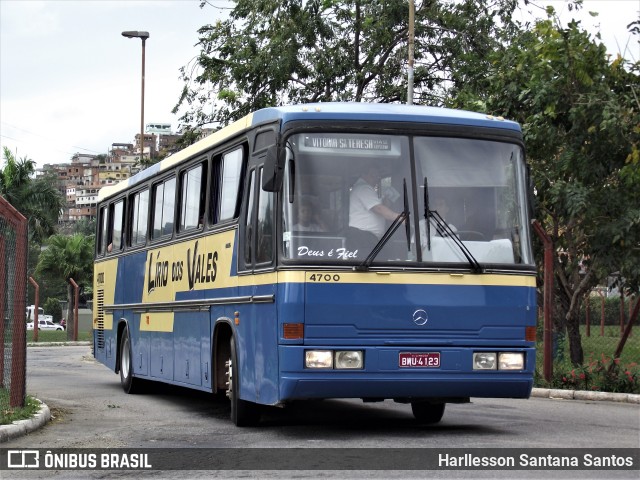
x: 411, y: 45
x: 142, y: 36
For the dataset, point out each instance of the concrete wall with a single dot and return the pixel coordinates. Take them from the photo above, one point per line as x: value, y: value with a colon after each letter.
x: 85, y: 319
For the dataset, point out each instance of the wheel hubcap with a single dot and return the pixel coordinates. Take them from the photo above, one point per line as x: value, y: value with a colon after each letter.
x: 125, y: 358
x: 229, y: 379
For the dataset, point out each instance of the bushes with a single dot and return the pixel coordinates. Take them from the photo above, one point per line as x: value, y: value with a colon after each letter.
x: 599, y: 372
x: 603, y: 374
x: 611, y: 310
x: 52, y: 307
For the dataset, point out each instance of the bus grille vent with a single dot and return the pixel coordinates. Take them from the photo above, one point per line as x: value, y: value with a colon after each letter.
x: 100, y: 318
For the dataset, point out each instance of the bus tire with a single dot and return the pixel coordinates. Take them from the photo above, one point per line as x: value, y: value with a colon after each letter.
x: 243, y: 413
x: 127, y: 380
x: 428, y: 413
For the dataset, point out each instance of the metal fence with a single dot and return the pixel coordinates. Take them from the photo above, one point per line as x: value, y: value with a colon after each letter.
x: 602, y: 324
x: 13, y: 291
x: 610, y: 346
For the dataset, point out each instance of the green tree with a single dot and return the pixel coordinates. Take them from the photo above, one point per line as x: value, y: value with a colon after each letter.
x: 274, y: 52
x: 37, y: 199
x: 581, y: 121
x: 85, y: 226
x: 67, y: 257
x: 52, y: 307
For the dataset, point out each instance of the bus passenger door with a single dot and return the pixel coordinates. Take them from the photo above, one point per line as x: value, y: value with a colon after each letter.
x: 256, y: 334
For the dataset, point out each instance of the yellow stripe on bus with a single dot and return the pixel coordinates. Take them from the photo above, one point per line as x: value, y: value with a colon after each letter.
x: 104, y: 279
x: 387, y: 278
x: 156, y: 322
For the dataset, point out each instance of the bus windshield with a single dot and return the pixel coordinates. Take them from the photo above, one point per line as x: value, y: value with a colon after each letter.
x: 343, y: 191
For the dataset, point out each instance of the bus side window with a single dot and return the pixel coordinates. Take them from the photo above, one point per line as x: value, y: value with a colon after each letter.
x: 117, y: 221
x: 192, y: 199
x: 163, y: 208
x: 139, y: 218
x: 228, y: 186
x: 248, y: 233
x: 102, y: 233
x: 264, y: 239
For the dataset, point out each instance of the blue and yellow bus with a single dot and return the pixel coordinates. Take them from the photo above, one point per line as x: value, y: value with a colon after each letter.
x: 333, y: 250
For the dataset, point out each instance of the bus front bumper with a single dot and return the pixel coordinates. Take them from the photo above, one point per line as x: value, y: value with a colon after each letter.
x: 382, y: 377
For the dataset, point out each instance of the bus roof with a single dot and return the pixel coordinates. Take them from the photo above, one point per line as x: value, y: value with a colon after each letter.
x: 378, y: 112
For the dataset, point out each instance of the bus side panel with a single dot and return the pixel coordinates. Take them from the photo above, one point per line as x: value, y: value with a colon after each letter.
x: 256, y: 340
x: 130, y: 285
x: 266, y: 343
x: 161, y: 352
x: 105, y: 329
x: 139, y: 344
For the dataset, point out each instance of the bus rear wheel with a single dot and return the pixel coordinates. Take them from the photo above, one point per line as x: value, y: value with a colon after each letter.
x: 128, y: 382
x: 243, y: 413
x: 427, y: 413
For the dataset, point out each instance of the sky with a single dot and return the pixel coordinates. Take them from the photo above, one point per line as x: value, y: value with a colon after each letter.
x: 71, y: 83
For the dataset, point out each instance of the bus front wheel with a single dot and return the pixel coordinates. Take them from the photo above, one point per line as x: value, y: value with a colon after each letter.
x: 128, y: 382
x: 427, y: 413
x: 243, y: 413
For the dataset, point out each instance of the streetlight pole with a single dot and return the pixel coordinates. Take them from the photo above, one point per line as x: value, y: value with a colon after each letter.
x: 142, y: 36
x: 411, y: 47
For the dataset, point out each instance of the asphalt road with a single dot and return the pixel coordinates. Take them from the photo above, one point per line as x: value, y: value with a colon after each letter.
x: 90, y: 410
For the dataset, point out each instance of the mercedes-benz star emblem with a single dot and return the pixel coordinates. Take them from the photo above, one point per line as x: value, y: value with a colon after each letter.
x: 420, y: 317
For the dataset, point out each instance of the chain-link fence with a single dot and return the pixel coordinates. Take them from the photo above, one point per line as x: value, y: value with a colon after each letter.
x: 603, y: 321
x: 13, y: 290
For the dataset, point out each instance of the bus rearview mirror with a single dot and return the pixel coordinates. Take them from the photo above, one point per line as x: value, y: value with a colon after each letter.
x: 273, y: 170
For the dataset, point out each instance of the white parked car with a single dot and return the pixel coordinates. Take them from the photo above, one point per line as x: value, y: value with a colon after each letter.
x: 45, y: 325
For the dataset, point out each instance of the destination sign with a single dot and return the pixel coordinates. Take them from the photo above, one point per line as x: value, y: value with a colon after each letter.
x: 347, y: 142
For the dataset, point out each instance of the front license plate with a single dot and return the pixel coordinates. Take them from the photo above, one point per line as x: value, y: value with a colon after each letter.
x: 419, y: 360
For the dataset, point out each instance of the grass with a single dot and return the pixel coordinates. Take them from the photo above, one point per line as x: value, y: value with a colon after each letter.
x: 9, y: 414
x: 595, y: 346
x: 57, y: 336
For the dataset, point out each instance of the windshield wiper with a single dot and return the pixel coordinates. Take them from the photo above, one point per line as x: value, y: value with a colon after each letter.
x: 402, y: 217
x: 443, y: 226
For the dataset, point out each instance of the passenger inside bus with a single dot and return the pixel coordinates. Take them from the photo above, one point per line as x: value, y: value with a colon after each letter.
x: 367, y: 212
x: 309, y: 218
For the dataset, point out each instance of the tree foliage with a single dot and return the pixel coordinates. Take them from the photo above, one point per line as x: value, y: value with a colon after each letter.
x: 68, y: 257
x: 274, y: 52
x: 581, y: 120
x: 37, y: 199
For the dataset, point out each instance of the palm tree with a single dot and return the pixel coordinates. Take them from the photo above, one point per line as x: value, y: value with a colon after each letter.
x: 68, y: 257
x: 37, y: 199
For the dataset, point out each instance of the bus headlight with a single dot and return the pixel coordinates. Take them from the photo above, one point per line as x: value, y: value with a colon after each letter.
x: 484, y: 361
x: 348, y: 359
x: 318, y: 359
x: 511, y: 361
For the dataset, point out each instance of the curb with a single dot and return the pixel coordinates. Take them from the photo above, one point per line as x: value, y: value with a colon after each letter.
x: 22, y: 427
x: 70, y: 343
x: 585, y: 395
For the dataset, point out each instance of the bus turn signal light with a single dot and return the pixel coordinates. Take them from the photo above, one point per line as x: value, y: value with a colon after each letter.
x: 530, y: 334
x: 293, y: 331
